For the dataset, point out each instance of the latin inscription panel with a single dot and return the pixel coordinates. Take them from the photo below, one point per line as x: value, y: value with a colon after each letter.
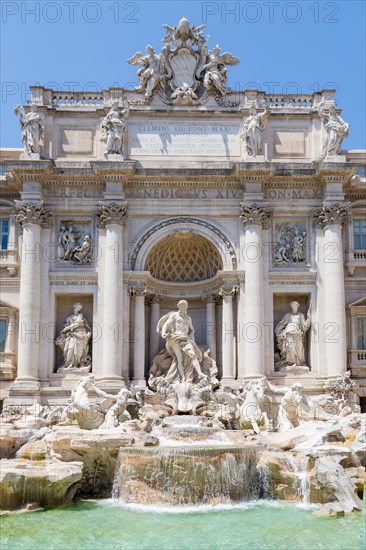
x: 184, y: 140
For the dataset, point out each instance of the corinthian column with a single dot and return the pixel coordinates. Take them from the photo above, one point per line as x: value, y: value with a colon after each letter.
x: 112, y: 216
x: 228, y: 366
x: 139, y: 337
x: 253, y: 216
x: 32, y: 217
x: 211, y: 302
x: 154, y: 319
x: 331, y: 218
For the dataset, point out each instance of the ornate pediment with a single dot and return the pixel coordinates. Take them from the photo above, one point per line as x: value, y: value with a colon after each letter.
x: 186, y: 72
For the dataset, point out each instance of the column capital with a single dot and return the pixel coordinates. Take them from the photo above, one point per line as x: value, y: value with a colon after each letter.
x: 211, y: 298
x: 330, y: 214
x: 32, y: 212
x: 228, y: 291
x: 112, y: 213
x: 153, y: 299
x: 138, y: 291
x: 254, y: 214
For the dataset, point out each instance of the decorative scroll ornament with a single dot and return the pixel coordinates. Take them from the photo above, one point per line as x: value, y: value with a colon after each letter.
x: 254, y: 214
x: 185, y: 71
x: 330, y: 214
x: 112, y: 212
x: 32, y: 212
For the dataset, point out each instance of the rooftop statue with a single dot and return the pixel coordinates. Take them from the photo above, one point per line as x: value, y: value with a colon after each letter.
x: 32, y: 129
x: 114, y: 127
x: 185, y: 71
x: 337, y: 129
x: 252, y: 131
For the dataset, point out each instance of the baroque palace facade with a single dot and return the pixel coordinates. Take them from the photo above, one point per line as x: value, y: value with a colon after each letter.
x: 125, y: 202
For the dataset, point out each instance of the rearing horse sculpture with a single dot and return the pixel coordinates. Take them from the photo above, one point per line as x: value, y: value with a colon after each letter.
x: 251, y: 410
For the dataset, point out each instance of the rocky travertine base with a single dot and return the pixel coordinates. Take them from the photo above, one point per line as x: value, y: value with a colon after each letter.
x: 318, y: 462
x: 38, y: 482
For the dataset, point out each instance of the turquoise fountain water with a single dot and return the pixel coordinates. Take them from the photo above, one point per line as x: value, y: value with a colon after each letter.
x: 107, y: 525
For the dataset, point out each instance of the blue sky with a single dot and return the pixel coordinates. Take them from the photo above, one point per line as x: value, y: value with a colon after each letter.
x: 282, y: 45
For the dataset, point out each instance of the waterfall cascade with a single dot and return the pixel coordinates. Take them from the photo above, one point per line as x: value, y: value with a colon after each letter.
x: 187, y: 475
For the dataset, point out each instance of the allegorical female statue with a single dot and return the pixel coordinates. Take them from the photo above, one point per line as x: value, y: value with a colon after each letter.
x: 337, y: 130
x: 252, y: 131
x: 32, y: 129
x: 74, y: 340
x: 113, y: 128
x: 290, y: 333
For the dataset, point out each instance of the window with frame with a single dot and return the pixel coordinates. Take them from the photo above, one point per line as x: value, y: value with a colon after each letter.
x: 4, y: 233
x: 361, y: 333
x: 3, y: 333
x: 359, y: 234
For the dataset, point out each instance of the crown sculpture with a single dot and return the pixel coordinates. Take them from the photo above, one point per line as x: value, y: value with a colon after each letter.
x: 186, y: 71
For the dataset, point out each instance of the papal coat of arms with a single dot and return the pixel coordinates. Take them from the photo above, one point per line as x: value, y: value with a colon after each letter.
x: 186, y: 71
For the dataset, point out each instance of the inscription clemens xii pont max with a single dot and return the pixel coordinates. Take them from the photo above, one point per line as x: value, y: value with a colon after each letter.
x: 189, y: 139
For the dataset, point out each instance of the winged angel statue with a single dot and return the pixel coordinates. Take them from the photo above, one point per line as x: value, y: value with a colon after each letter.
x: 185, y: 70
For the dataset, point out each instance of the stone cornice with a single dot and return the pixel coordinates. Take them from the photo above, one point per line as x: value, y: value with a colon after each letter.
x: 142, y: 279
x: 29, y: 170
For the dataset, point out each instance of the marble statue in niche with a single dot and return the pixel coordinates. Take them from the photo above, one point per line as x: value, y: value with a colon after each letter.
x: 32, y: 129
x: 290, y: 243
x: 113, y: 128
x: 252, y: 131
x: 337, y: 129
x: 74, y: 341
x: 72, y: 247
x: 183, y: 374
x: 290, y: 333
x: 177, y: 329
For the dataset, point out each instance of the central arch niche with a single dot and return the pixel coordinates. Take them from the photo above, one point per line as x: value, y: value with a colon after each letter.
x: 183, y: 257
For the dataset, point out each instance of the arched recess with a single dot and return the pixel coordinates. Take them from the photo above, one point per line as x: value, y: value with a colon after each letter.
x: 183, y: 224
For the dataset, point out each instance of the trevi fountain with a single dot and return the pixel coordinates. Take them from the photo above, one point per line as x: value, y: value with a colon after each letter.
x: 226, y: 413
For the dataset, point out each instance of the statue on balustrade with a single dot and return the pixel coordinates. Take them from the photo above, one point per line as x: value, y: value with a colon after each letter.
x: 216, y: 73
x: 32, y: 129
x: 113, y: 128
x: 290, y: 333
x: 337, y: 129
x: 74, y: 341
x: 152, y: 72
x: 252, y: 131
